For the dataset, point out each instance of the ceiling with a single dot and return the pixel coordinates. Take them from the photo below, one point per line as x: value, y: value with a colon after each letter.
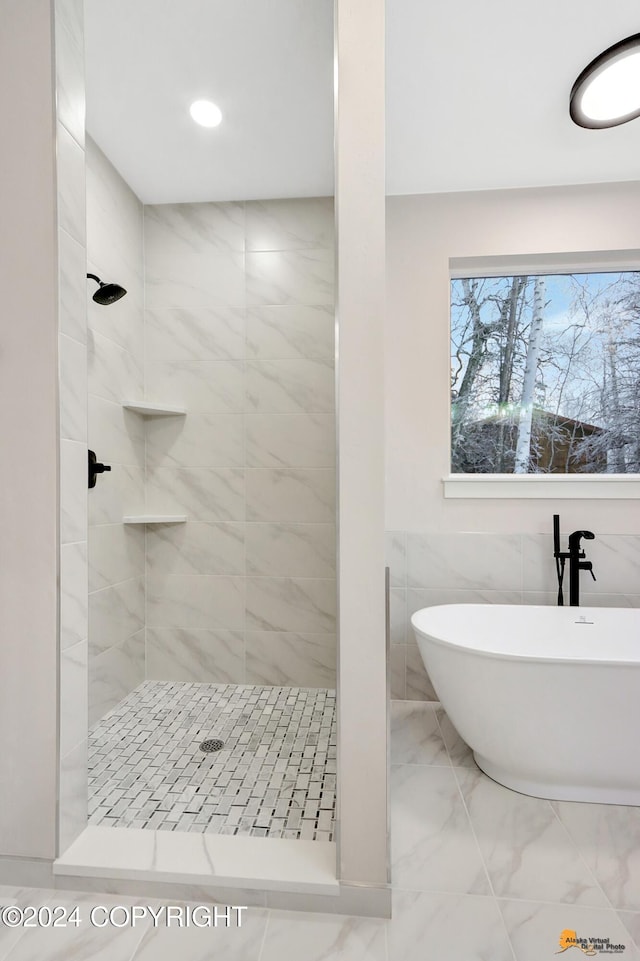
x: 268, y: 65
x: 477, y: 95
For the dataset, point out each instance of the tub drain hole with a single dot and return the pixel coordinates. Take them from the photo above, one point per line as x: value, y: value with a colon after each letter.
x: 212, y: 744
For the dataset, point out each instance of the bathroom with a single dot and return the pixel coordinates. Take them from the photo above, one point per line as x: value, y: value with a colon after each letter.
x: 439, y: 549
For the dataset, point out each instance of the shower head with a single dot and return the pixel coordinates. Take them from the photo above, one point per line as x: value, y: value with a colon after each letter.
x: 107, y: 293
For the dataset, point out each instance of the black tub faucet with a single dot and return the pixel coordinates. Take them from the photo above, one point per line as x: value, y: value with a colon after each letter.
x: 576, y: 557
x: 577, y: 564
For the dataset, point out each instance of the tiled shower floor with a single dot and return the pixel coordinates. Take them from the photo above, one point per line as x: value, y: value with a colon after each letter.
x: 274, y: 777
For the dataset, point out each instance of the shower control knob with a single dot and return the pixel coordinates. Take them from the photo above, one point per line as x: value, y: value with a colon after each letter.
x: 95, y: 468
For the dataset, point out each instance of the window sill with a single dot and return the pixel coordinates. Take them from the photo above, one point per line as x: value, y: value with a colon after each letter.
x: 543, y: 486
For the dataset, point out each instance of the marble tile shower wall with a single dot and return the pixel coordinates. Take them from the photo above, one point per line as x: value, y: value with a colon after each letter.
x: 115, y: 352
x: 72, y: 381
x: 239, y: 329
x: 490, y: 568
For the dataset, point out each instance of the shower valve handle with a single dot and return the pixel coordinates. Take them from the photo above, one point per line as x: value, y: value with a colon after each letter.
x: 95, y: 468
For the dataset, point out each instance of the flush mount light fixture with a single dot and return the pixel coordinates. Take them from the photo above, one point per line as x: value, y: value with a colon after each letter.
x: 607, y: 92
x: 205, y: 113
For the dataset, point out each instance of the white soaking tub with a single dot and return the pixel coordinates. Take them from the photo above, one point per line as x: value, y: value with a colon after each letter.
x: 548, y: 698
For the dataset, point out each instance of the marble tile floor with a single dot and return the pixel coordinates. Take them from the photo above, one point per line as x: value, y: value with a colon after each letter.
x: 480, y: 873
x: 275, y: 775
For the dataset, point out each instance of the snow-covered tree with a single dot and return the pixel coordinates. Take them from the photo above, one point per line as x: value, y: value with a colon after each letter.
x: 546, y: 373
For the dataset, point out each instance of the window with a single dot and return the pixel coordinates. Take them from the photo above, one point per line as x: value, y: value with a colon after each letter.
x: 545, y: 374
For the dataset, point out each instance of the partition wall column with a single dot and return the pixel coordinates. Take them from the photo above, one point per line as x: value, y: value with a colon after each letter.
x: 360, y: 213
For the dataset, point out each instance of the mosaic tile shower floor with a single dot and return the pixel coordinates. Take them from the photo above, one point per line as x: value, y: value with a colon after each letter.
x: 274, y: 777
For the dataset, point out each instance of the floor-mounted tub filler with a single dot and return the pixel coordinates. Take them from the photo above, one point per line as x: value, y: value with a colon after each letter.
x: 548, y: 698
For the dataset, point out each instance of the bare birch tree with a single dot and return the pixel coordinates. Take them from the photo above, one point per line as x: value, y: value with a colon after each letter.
x: 523, y: 447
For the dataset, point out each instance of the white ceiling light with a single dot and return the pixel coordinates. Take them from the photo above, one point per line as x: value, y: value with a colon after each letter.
x: 607, y: 92
x: 205, y: 113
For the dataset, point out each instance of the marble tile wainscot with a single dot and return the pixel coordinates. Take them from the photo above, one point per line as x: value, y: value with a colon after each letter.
x: 489, y: 568
x: 239, y: 329
x: 115, y: 371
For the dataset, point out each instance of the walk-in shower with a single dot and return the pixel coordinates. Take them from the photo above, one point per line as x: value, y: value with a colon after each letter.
x: 212, y: 541
x: 212, y: 604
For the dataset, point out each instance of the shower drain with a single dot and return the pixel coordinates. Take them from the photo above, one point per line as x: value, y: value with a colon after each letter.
x: 212, y: 744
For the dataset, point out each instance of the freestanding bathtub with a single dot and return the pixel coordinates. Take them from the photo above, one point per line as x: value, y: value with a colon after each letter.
x: 548, y: 698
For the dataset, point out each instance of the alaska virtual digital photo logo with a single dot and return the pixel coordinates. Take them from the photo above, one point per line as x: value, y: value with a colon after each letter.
x: 591, y: 947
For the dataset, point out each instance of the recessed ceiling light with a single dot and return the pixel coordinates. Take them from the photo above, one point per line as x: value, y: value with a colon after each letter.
x: 607, y: 92
x: 205, y: 113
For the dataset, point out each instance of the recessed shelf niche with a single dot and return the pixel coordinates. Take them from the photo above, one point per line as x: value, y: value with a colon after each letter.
x: 148, y: 409
x: 155, y: 519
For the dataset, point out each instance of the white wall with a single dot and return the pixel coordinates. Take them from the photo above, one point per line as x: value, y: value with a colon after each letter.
x: 423, y: 232
x: 29, y: 432
x: 494, y: 550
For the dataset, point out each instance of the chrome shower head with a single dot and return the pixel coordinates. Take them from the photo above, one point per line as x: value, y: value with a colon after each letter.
x: 106, y: 293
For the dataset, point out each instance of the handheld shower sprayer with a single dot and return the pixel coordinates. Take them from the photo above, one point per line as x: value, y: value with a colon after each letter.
x: 559, y: 556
